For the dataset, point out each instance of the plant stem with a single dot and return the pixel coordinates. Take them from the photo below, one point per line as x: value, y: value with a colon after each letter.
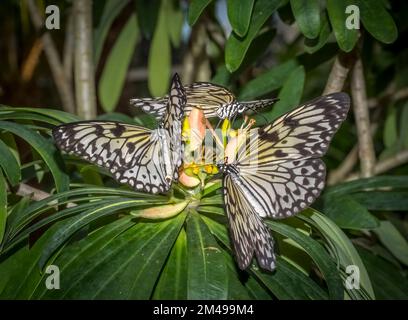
x: 338, y: 74
x: 362, y: 118
x: 63, y: 86
x: 84, y: 69
x: 386, y: 164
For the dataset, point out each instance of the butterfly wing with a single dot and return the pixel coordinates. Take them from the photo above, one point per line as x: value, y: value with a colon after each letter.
x: 133, y: 154
x: 206, y: 96
x: 280, y: 165
x: 172, y: 123
x: 248, y: 232
x: 153, y: 106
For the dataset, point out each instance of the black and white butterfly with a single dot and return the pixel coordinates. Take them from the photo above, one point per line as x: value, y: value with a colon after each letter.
x: 214, y: 100
x: 147, y: 160
x: 277, y: 173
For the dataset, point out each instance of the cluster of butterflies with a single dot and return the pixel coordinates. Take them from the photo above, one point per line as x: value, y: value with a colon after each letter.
x: 287, y: 176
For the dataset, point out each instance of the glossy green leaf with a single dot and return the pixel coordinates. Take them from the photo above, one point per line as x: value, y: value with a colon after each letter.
x: 346, y: 38
x: 348, y: 213
x: 383, y: 200
x: 388, y: 281
x: 23, y: 274
x: 375, y: 183
x: 323, y: 261
x: 206, y: 272
x: 9, y: 164
x: 70, y: 226
x: 195, y: 9
x: 45, y: 149
x: 174, y: 20
x: 268, y: 81
x: 313, y: 45
x: 290, y: 94
x: 239, y: 15
x: 115, y: 69
x: 147, y: 12
x: 377, y: 21
x: 61, y: 116
x: 307, y: 15
x: 390, y: 133
x: 159, y: 64
x: 342, y: 247
x: 172, y: 284
x: 3, y: 206
x: 117, y: 265
x: 237, y: 47
x: 110, y: 12
x: 393, y: 240
x: 236, y: 288
x: 286, y: 282
x: 404, y: 126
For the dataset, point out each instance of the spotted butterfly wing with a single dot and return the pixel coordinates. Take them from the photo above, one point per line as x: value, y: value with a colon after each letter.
x: 278, y: 172
x: 145, y: 159
x: 214, y: 100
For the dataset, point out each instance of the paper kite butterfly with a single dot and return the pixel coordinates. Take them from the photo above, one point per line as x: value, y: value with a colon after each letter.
x: 277, y: 173
x: 147, y: 160
x: 214, y: 100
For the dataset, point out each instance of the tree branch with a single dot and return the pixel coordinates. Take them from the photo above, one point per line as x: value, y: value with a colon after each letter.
x: 338, y: 74
x: 24, y: 190
x: 361, y: 114
x: 84, y: 69
x: 386, y: 164
x: 69, y: 46
x: 57, y: 70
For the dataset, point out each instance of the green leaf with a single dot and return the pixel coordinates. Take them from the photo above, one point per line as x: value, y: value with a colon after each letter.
x: 287, y: 281
x: 375, y: 183
x: 9, y: 164
x: 307, y: 15
x: 390, y: 134
x: 290, y: 94
x: 347, y: 213
x: 115, y: 70
x: 147, y: 12
x: 268, y: 81
x: 341, y: 246
x: 68, y: 227
x: 346, y: 38
x: 45, y: 149
x: 61, y: 116
x: 377, y: 21
x: 239, y: 15
x: 323, y: 261
x: 123, y: 264
x: 172, y: 284
x: 313, y: 45
x: 393, y: 240
x: 3, y: 206
x: 404, y: 126
x: 21, y: 268
x: 159, y: 65
x: 174, y: 20
x: 206, y: 272
x: 110, y: 12
x: 237, y: 47
x: 383, y: 200
x: 91, y: 175
x: 388, y: 281
x: 195, y: 9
